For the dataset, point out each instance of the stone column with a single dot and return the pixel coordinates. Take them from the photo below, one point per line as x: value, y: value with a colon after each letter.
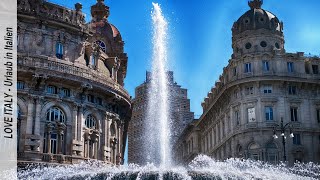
x: 119, y: 137
x: 30, y: 115
x: 107, y: 131
x: 80, y: 124
x: 48, y: 142
x: 75, y: 122
x: 37, y: 118
x: 88, y: 149
x: 49, y: 131
x: 60, y: 132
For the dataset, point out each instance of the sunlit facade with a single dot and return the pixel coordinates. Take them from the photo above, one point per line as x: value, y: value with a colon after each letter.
x: 261, y: 85
x: 71, y: 99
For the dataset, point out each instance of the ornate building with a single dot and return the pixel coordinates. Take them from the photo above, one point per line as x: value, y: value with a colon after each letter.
x: 179, y: 110
x: 71, y: 99
x: 260, y: 86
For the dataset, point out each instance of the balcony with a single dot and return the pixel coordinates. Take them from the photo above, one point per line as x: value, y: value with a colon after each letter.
x: 52, y: 64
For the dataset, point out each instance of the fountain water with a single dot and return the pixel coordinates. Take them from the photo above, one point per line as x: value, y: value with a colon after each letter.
x: 157, y: 131
x: 201, y: 168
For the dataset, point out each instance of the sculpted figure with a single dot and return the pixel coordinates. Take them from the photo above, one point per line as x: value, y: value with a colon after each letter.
x: 37, y: 42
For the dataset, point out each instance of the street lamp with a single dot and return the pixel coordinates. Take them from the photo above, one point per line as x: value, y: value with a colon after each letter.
x: 283, y: 130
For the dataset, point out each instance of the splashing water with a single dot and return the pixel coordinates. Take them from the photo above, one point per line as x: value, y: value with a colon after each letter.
x: 202, y: 167
x: 157, y: 143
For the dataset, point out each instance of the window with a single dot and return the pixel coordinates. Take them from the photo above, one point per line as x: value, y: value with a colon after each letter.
x: 52, y: 90
x: 263, y: 44
x: 292, y: 90
x: 99, y: 101
x: 290, y: 67
x: 249, y: 90
x: 267, y: 89
x: 90, y: 98
x: 248, y: 45
x: 315, y: 69
x: 234, y: 71
x: 296, y: 139
x: 20, y: 85
x: 318, y: 115
x: 93, y: 61
x: 59, y: 50
x: 55, y: 114
x: 235, y: 93
x: 237, y: 117
x: 54, y: 144
x: 102, y: 45
x: 265, y: 66
x: 90, y: 122
x: 247, y: 68
x: 269, y: 113
x: 277, y: 45
x: 306, y: 67
x: 65, y: 92
x: 294, y: 113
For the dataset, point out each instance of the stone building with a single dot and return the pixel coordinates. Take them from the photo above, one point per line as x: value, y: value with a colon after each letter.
x: 179, y: 112
x: 261, y: 85
x: 71, y: 99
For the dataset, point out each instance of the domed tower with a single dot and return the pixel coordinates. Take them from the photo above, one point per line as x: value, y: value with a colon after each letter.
x: 108, y: 38
x: 257, y: 31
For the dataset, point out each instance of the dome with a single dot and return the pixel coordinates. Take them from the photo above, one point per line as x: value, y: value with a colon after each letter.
x: 104, y: 28
x: 256, y: 18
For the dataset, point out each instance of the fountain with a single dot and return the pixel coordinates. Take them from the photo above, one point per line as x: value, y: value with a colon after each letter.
x: 158, y: 145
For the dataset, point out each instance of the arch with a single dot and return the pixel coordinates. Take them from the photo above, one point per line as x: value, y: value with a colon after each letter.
x: 253, y: 146
x: 254, y: 151
x: 96, y: 115
x: 55, y: 114
x: 65, y: 108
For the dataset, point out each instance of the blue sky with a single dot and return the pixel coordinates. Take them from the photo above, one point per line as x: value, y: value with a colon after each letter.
x: 200, y: 36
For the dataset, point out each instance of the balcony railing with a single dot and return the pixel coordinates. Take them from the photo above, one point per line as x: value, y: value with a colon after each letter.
x: 53, y: 64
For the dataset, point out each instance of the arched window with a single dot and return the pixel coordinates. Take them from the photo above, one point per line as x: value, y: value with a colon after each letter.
x: 254, y: 151
x: 102, y: 45
x: 272, y: 153
x: 239, y: 151
x: 53, y: 141
x: 93, y: 61
x: 59, y: 50
x: 90, y: 122
x: 56, y: 114
x: 113, y: 129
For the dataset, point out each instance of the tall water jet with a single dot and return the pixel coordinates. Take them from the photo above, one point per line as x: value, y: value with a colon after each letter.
x: 157, y: 145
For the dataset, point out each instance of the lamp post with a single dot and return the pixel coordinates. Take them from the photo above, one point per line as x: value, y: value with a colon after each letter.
x: 283, y: 129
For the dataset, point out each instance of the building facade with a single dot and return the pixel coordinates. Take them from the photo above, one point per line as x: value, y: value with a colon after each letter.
x: 179, y: 112
x: 72, y: 105
x: 261, y: 85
